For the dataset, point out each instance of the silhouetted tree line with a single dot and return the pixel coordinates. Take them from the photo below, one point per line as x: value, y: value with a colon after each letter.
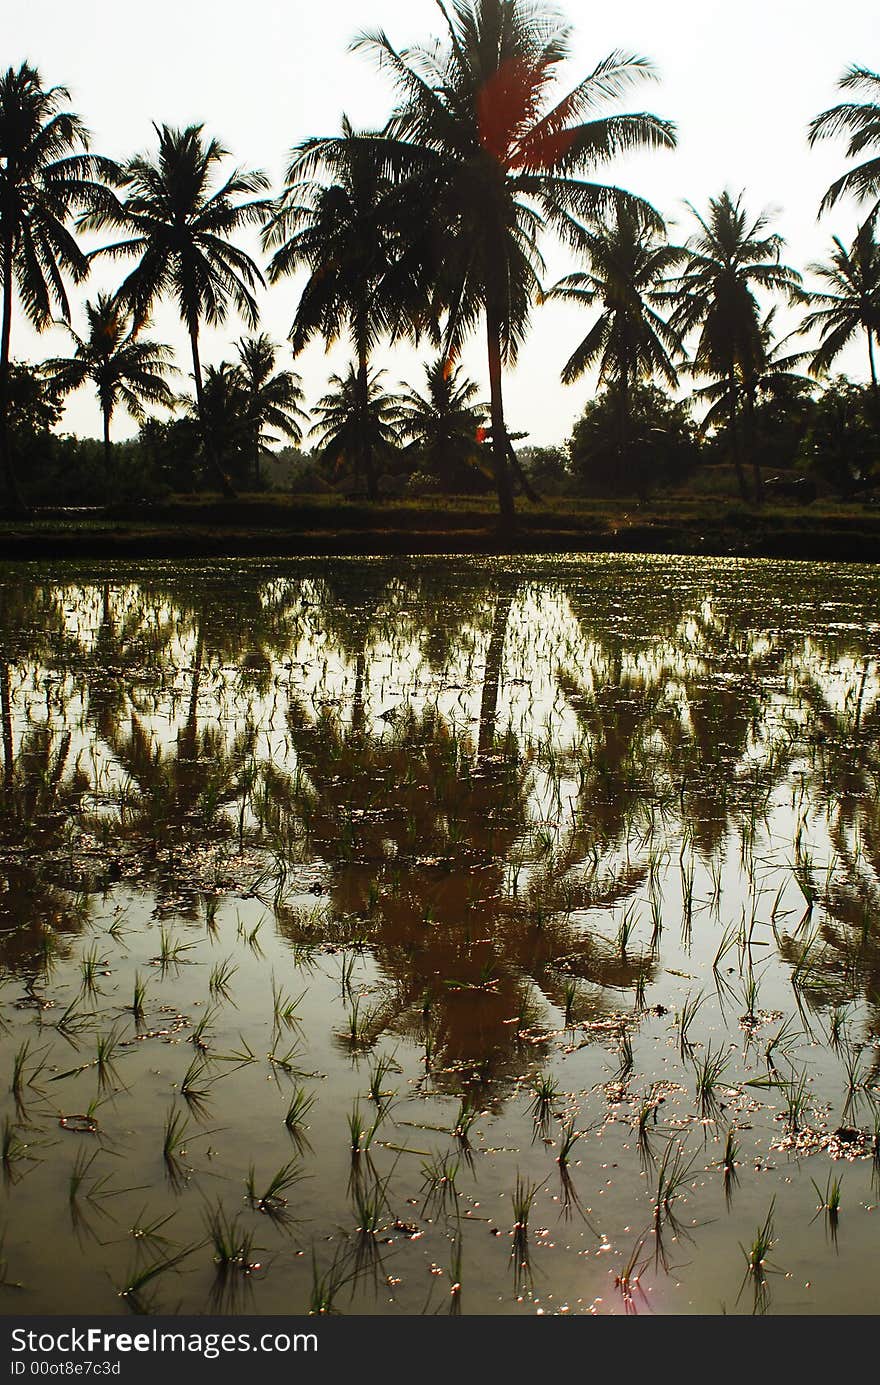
x: 426, y: 231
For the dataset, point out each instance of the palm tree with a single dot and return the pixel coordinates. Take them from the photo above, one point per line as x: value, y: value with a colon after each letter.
x: 46, y: 174
x: 728, y: 258
x: 351, y: 426
x: 496, y: 163
x: 273, y: 399
x: 861, y: 121
x: 124, y: 368
x: 342, y: 219
x: 443, y: 423
x: 851, y: 302
x: 629, y: 341
x: 181, y: 231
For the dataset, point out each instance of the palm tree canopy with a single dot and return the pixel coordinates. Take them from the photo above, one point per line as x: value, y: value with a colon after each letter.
x: 273, y: 399
x: 729, y: 259
x: 345, y: 417
x: 181, y: 228
x: 861, y: 122
x: 850, y: 302
x: 496, y: 154
x: 629, y: 340
x: 343, y: 219
x: 445, y: 419
x: 776, y: 374
x: 46, y: 174
x: 125, y: 368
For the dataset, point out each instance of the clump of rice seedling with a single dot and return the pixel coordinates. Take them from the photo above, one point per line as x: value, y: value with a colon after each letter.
x: 272, y: 1202
x: 545, y: 1090
x: 378, y: 1073
x: 220, y: 980
x: 795, y: 1091
x: 464, y: 1121
x: 198, y: 1038
x: 232, y: 1244
x: 194, y: 1088
x: 284, y: 1009
x: 672, y: 1175
x: 142, y: 1276
x: 439, y: 1173
x: 139, y: 996
x: 856, y: 1077
x: 12, y: 1151
x: 326, y: 1285
x: 92, y: 965
x: 758, y: 1265
x: 708, y: 1072
x: 837, y: 1027
x: 170, y: 951
x: 647, y: 1118
x: 107, y: 1045
x: 782, y: 1042
x: 300, y: 1104
x: 524, y: 1195
x: 357, y: 1034
x: 829, y: 1203
x: 628, y: 1281
x: 625, y: 1054
x: 173, y: 1144
x: 685, y: 1018
x: 569, y: 995
x: 729, y: 1163
x: 21, y: 1077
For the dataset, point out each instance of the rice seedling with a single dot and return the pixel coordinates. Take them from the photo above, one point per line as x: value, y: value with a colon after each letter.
x: 219, y: 982
x: 709, y: 1069
x: 149, y: 1232
x: 758, y: 1266
x: 625, y: 1059
x: 199, y: 1034
x: 646, y: 1120
x: 672, y: 1175
x: 837, y: 1026
x: 232, y: 1245
x: 750, y: 997
x: 357, y: 1034
x: 625, y: 929
x: 781, y: 1042
x: 729, y: 1163
x: 138, y: 997
x: 12, y: 1152
x: 684, y: 1019
x: 796, y: 1094
x: 569, y: 995
x: 829, y: 1203
x: 272, y: 1201
x: 300, y: 1105
x: 73, y: 1021
x: 22, y: 1076
x: 464, y: 1121
x: 284, y: 1009
x: 170, y: 952
x: 141, y: 1277
x: 379, y: 1071
x: 92, y: 965
x: 174, y: 1144
x: 522, y: 1201
x: 106, y: 1047
x: 569, y: 1198
x: 545, y: 1090
x: 628, y: 1282
x: 856, y: 1079
x: 439, y: 1173
x: 326, y: 1284
x: 195, y: 1088
x: 455, y: 1278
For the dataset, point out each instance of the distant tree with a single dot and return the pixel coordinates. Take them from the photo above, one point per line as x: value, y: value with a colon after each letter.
x: 861, y: 122
x: 497, y: 159
x: 444, y: 423
x: 662, y: 448
x: 34, y: 406
x: 730, y: 258
x: 343, y: 220
x: 272, y: 398
x: 46, y: 175
x: 223, y: 413
x: 629, y: 264
x: 347, y: 422
x: 124, y: 368
x: 850, y: 303
x: 842, y: 444
x: 547, y: 468
x: 181, y: 229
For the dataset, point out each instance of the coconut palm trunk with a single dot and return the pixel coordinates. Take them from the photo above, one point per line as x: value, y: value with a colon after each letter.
x: 735, y: 441
x: 105, y: 412
x: 207, y: 436
x: 365, y: 448
x: 752, y: 444
x: 15, y: 498
x: 873, y: 365
x: 500, y: 442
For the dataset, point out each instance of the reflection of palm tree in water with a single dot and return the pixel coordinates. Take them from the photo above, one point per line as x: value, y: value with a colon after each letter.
x: 419, y: 824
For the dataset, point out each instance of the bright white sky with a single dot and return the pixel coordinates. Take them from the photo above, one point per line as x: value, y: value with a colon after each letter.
x: 741, y: 82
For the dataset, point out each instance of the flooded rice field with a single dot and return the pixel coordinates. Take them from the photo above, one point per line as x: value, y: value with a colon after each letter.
x: 456, y: 936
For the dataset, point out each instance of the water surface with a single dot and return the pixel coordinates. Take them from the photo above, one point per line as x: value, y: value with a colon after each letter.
x: 444, y: 936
